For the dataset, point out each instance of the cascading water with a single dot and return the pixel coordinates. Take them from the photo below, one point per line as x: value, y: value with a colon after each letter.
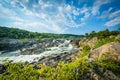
x: 64, y: 46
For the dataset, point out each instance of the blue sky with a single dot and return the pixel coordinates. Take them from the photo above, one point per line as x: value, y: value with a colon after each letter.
x: 60, y: 16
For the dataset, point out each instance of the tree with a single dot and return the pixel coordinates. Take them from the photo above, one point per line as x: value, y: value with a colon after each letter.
x: 86, y: 34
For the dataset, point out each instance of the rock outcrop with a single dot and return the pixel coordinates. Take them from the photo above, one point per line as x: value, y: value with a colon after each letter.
x: 2, y: 69
x: 42, y: 46
x: 53, y: 60
x: 108, y: 51
x: 15, y: 44
x: 90, y: 42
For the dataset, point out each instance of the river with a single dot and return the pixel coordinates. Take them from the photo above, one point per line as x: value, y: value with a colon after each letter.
x: 15, y: 56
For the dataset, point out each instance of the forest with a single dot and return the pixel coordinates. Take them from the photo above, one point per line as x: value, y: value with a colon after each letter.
x: 22, y: 34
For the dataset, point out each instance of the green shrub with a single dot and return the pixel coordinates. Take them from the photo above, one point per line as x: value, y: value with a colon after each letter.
x: 66, y: 71
x: 109, y: 65
x: 19, y: 71
x: 104, y: 41
x: 85, y: 50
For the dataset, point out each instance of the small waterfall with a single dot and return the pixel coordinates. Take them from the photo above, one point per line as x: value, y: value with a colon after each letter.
x: 64, y: 46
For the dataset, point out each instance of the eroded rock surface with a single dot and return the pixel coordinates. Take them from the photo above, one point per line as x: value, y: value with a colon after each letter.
x: 110, y: 51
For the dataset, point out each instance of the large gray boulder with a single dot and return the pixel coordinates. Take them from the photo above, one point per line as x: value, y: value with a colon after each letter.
x: 108, y: 51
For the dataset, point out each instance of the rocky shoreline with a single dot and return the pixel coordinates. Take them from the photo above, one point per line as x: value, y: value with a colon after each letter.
x: 47, y: 51
x: 28, y: 48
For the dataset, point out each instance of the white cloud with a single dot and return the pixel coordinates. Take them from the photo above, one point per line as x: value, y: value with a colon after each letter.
x: 76, y: 12
x: 113, y: 17
x: 9, y: 14
x: 57, y: 20
x: 84, y: 10
x: 113, y: 22
x: 97, y: 5
x: 38, y: 26
x: 110, y: 9
x: 114, y: 14
x: 68, y: 8
x: 86, y: 16
x: 58, y: 29
x: 6, y: 11
x: 43, y: 6
x: 105, y: 14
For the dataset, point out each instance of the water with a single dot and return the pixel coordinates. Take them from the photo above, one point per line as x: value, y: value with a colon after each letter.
x: 12, y: 56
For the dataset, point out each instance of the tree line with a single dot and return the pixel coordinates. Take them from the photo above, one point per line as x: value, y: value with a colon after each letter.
x: 102, y: 34
x: 16, y: 33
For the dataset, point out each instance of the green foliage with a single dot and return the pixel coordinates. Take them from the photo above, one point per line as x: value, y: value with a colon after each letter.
x: 104, y: 37
x: 85, y: 50
x: 22, y: 34
x: 66, y: 71
x: 76, y: 70
x: 104, y: 41
x: 19, y: 71
x: 108, y: 64
x: 86, y: 34
x: 45, y: 71
x: 102, y: 34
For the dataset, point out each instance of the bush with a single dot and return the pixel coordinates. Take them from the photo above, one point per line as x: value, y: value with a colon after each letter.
x: 109, y: 65
x: 85, y: 50
x: 19, y: 71
x: 104, y: 41
x: 66, y: 71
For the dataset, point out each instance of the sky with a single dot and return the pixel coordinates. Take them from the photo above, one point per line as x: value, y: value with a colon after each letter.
x: 60, y: 16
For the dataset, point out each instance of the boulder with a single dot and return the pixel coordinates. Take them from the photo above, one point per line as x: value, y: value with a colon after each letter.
x: 108, y: 51
x: 2, y: 69
x: 75, y: 42
x: 90, y: 42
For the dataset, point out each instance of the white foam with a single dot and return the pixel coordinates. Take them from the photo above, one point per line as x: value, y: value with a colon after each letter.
x: 34, y: 58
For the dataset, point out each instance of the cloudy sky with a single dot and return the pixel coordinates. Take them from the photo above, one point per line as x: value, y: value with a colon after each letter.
x: 60, y: 16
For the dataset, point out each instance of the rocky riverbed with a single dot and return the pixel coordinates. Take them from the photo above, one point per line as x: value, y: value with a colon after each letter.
x: 47, y: 51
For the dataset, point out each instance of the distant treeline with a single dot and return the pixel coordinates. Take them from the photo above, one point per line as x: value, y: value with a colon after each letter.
x: 16, y: 33
x: 102, y: 34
